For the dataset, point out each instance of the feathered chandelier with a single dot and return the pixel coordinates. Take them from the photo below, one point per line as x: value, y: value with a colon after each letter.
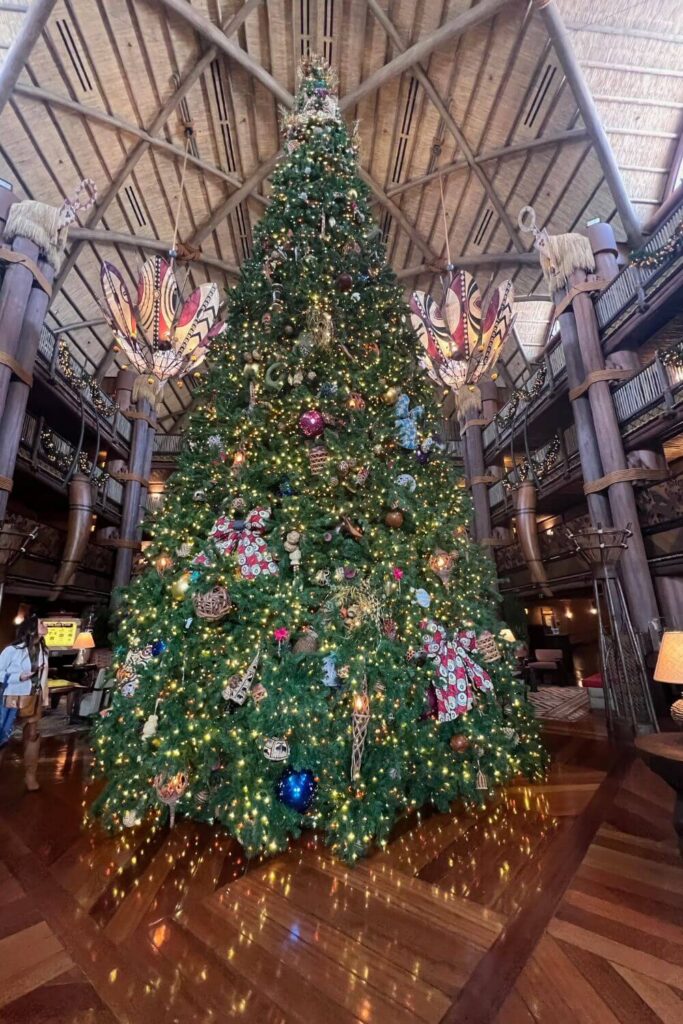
x: 162, y: 335
x: 460, y: 344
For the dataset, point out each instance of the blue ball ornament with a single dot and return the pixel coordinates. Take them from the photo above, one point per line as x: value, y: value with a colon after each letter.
x: 297, y: 789
x: 158, y: 647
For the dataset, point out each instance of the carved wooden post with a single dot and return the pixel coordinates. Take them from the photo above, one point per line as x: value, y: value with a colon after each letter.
x: 474, y: 467
x: 589, y: 453
x: 144, y: 427
x: 23, y: 305
x: 634, y: 567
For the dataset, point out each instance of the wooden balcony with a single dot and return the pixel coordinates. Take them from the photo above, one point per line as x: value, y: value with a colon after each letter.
x: 50, y: 458
x: 649, y: 404
x: 99, y: 415
x: 630, y: 309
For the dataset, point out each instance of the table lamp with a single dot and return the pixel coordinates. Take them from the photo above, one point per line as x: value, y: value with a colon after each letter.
x: 669, y: 668
x: 83, y: 643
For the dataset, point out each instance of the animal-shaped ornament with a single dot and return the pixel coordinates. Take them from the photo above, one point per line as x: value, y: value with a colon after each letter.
x: 406, y: 422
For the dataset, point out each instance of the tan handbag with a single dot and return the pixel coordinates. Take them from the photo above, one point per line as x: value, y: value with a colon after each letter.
x: 26, y: 704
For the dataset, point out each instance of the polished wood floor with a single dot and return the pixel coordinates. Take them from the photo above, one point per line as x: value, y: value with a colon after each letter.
x: 557, y: 903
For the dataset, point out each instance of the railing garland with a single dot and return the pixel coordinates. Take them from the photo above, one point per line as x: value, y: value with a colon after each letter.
x: 62, y: 460
x: 527, y: 393
x: 79, y: 380
x: 538, y: 467
x: 657, y: 257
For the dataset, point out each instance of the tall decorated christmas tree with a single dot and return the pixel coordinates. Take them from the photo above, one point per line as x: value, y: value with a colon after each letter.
x: 303, y: 650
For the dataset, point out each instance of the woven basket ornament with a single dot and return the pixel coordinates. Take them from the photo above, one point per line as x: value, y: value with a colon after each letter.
x: 213, y: 605
x: 317, y: 457
x: 488, y: 648
x: 307, y: 642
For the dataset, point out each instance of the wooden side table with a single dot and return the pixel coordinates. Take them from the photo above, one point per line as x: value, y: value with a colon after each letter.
x: 663, y: 752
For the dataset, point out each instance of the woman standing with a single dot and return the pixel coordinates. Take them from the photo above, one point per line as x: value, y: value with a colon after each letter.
x: 23, y: 678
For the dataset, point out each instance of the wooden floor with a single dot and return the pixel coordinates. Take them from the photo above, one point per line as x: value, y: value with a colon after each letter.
x: 558, y: 903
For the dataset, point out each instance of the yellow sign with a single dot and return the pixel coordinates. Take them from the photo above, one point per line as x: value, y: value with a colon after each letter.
x: 61, y: 633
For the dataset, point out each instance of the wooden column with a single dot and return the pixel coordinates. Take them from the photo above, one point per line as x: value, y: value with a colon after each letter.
x: 589, y: 452
x: 670, y: 593
x: 634, y: 568
x: 134, y: 488
x: 474, y: 467
x: 23, y: 305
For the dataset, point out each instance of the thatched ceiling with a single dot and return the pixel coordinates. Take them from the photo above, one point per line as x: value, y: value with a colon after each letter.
x: 110, y: 85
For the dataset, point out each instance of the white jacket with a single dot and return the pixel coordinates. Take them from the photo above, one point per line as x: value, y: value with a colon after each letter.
x: 16, y: 662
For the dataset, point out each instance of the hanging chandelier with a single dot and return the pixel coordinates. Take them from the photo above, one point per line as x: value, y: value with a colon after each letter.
x: 161, y: 335
x: 460, y: 342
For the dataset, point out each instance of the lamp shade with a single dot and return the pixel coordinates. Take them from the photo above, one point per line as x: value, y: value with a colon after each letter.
x: 669, y: 667
x: 84, y: 641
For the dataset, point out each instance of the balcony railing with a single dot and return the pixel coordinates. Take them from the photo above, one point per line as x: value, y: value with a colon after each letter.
x: 167, y: 444
x: 560, y: 459
x: 633, y: 284
x: 48, y: 355
x: 541, y: 383
x: 636, y: 401
x: 50, y: 453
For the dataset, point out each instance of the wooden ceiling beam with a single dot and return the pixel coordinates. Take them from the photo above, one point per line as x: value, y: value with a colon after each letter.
x: 117, y: 124
x: 225, y: 208
x: 471, y: 261
x: 104, y: 237
x: 423, y: 48
x: 220, y: 41
x: 141, y: 147
x: 450, y: 124
x: 623, y: 31
x: 398, y: 215
x: 564, y: 50
x: 502, y: 153
x: 32, y: 25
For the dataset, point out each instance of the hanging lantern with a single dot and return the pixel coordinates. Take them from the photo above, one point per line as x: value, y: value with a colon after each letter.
x: 160, y: 335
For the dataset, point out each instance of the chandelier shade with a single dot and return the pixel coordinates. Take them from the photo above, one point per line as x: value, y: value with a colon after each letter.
x: 459, y: 343
x: 161, y: 335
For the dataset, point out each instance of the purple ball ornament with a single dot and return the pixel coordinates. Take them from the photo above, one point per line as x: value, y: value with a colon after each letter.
x: 311, y: 423
x: 422, y: 455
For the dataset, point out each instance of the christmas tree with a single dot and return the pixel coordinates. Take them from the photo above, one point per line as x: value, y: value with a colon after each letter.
x: 302, y: 651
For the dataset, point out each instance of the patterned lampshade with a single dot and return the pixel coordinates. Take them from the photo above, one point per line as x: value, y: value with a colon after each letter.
x: 669, y: 667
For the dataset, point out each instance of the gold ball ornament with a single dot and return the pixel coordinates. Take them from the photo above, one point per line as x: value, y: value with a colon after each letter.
x: 394, y: 519
x: 180, y: 586
x: 391, y: 395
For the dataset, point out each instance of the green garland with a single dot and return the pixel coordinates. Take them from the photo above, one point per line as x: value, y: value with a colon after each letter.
x: 672, y: 247
x: 81, y: 381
